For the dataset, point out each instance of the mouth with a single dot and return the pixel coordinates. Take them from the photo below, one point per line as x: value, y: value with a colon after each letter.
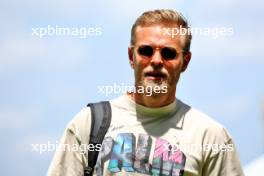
x: 155, y: 76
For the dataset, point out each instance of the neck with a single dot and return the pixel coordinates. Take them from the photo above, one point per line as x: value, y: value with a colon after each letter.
x: 153, y: 101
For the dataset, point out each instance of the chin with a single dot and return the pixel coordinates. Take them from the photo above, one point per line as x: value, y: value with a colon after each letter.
x: 155, y: 89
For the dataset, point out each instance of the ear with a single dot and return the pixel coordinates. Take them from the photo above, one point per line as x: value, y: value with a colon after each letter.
x: 186, y: 60
x: 131, y: 57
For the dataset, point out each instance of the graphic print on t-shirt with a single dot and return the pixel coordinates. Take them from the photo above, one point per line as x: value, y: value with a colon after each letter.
x: 122, y: 154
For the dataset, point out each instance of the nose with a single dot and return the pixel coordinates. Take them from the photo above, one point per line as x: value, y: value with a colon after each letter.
x: 156, y: 60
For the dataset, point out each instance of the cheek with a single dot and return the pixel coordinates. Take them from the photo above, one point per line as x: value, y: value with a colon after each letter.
x: 174, y: 66
x: 140, y: 63
x: 139, y: 66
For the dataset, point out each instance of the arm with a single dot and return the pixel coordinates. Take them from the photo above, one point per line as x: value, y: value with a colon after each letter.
x: 70, y: 158
x: 225, y: 161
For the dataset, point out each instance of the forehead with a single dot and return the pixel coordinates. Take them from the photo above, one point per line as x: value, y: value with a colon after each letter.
x: 158, y: 35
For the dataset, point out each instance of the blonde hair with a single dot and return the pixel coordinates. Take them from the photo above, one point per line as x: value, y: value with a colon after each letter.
x: 162, y: 16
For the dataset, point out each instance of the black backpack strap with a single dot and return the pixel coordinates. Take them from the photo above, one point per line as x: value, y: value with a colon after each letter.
x: 100, y: 121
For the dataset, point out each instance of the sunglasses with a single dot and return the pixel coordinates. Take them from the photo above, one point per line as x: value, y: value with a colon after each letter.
x: 167, y: 53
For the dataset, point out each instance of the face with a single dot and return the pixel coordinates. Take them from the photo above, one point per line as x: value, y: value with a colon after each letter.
x: 156, y: 69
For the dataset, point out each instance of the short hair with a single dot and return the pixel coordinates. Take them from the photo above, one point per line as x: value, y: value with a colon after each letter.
x: 163, y: 16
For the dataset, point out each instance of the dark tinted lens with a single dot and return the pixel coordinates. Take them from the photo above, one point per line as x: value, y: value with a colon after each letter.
x: 145, y: 50
x: 168, y: 53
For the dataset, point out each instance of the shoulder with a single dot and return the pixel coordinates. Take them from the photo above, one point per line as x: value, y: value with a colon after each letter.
x: 79, y: 126
x: 208, y: 128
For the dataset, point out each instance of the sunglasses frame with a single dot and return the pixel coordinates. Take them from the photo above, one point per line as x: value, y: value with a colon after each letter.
x: 154, y: 48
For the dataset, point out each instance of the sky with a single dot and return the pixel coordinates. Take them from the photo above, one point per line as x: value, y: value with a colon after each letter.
x: 46, y: 80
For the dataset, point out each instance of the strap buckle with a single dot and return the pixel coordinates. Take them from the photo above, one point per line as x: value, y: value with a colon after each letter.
x: 88, y: 170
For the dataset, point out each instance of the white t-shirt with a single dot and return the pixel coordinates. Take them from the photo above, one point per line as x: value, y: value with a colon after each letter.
x: 172, y: 140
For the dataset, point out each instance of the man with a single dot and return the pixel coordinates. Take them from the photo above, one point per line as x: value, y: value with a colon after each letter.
x: 152, y: 132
